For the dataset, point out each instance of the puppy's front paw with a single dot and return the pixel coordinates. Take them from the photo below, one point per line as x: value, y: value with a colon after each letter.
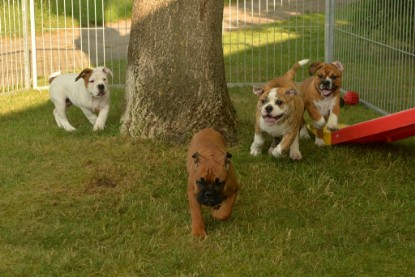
x: 98, y: 127
x: 332, y: 123
x: 332, y: 129
x: 304, y: 133
x: 277, y: 152
x: 69, y: 128
x: 255, y: 151
x: 201, y: 233
x: 319, y: 142
x: 296, y: 156
x: 319, y: 123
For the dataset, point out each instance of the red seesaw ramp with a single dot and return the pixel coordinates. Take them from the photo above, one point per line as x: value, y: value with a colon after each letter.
x: 387, y: 128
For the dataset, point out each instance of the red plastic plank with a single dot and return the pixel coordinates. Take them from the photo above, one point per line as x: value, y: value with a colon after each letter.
x: 387, y: 128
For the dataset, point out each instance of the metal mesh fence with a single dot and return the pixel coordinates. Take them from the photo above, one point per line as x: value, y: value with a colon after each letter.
x: 262, y: 39
x: 38, y: 38
x: 13, y: 50
x: 374, y: 39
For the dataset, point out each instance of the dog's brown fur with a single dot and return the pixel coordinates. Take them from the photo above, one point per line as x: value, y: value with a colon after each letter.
x: 207, y: 158
x: 313, y: 97
x: 291, y: 102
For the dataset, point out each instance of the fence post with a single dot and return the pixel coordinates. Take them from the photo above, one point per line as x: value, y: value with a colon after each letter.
x: 329, y: 31
x: 26, y: 55
x: 33, y: 36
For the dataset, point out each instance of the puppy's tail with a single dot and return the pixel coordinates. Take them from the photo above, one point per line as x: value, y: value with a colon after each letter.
x: 290, y: 74
x: 53, y: 76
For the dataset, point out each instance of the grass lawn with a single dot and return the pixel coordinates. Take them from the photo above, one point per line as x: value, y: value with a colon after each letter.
x: 84, y: 203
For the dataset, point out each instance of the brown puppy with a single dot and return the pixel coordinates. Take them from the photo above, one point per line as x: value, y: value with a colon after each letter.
x: 322, y: 97
x: 212, y: 181
x: 279, y: 113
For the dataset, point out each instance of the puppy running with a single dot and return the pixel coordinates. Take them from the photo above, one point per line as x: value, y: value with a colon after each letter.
x: 279, y: 113
x: 322, y: 98
x: 212, y: 181
x: 87, y: 90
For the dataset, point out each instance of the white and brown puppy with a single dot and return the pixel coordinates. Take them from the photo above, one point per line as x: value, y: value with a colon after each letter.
x: 87, y: 90
x: 322, y: 97
x: 212, y: 179
x: 279, y: 113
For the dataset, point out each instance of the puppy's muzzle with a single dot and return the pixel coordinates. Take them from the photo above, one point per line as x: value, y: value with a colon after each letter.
x: 101, y: 89
x: 326, y: 87
x: 268, y: 117
x: 210, y: 198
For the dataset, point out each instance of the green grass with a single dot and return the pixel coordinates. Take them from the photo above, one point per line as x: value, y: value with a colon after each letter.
x: 84, y: 203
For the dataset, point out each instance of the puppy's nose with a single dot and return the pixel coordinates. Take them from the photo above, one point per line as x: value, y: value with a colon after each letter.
x: 326, y: 82
x: 101, y: 87
x: 208, y: 194
x: 268, y: 108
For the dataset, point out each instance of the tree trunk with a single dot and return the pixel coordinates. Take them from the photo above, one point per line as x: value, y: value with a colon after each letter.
x: 175, y: 81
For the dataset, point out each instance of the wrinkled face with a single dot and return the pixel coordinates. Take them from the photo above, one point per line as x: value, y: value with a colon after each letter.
x: 210, y: 192
x: 329, y: 78
x: 274, y: 105
x: 211, y: 179
x: 96, y: 80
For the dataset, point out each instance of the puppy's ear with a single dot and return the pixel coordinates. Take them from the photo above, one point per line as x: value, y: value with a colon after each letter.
x: 195, y: 157
x: 83, y: 73
x: 314, y: 67
x: 258, y: 91
x: 228, y: 157
x: 291, y: 92
x: 338, y: 65
x: 107, y: 71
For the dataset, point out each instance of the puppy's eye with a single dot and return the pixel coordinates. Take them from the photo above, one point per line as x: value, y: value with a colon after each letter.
x: 278, y: 102
x: 201, y: 182
x: 104, y: 80
x: 320, y: 76
x: 334, y: 77
x: 264, y: 100
x: 219, y: 184
x: 91, y: 81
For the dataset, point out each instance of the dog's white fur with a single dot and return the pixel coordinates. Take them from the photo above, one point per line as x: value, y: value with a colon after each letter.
x: 87, y: 90
x: 279, y: 113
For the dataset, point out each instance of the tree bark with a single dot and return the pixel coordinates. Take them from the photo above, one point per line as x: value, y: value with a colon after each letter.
x: 175, y: 83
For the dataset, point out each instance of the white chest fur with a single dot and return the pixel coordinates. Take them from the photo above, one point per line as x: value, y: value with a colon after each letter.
x: 325, y: 106
x: 277, y: 130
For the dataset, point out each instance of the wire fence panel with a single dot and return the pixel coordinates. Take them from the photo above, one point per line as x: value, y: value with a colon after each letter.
x: 375, y: 40
x: 262, y: 39
x: 12, y: 48
x: 66, y: 35
x: 79, y: 34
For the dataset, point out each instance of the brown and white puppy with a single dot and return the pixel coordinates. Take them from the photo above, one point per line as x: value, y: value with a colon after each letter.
x: 322, y: 97
x: 87, y: 90
x: 211, y: 179
x: 279, y: 112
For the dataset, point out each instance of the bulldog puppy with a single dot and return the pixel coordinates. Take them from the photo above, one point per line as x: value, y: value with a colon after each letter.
x: 322, y: 98
x: 87, y: 90
x: 279, y: 112
x: 212, y: 181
